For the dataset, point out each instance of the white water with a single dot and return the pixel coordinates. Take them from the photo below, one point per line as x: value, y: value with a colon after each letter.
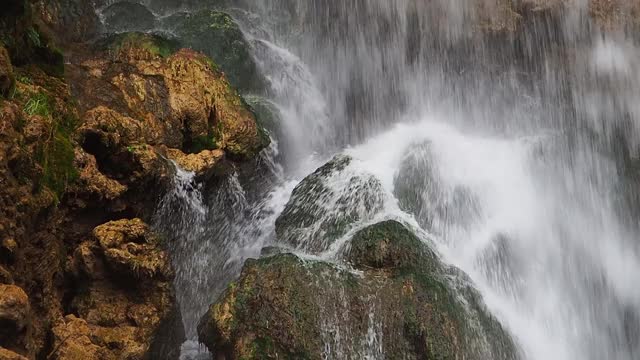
x: 542, y: 234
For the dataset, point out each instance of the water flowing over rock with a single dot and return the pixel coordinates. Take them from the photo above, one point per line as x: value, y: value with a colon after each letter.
x: 402, y: 306
x: 326, y: 204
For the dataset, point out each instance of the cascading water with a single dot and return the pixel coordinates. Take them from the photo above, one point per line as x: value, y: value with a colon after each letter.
x: 509, y: 153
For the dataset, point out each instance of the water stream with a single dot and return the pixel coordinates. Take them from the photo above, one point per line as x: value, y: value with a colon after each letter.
x: 513, y: 148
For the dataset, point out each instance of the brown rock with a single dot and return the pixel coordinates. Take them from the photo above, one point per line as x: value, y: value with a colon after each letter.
x: 202, y: 164
x: 615, y: 14
x: 92, y: 182
x: 14, y: 314
x: 72, y: 341
x: 130, y: 248
x: 5, y: 276
x: 111, y: 129
x: 120, y: 232
x: 7, y: 79
x: 127, y: 307
x: 10, y: 355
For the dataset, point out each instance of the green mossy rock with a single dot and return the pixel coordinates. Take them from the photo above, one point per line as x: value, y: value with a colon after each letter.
x: 217, y: 35
x: 404, y: 304
x: 153, y: 43
x: 128, y: 16
x: 327, y: 204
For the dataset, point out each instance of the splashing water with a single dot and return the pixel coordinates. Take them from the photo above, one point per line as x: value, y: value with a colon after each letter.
x: 510, y: 155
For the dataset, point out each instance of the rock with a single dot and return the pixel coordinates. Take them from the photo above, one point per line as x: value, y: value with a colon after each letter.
x: 203, y: 164
x: 5, y: 276
x: 125, y: 303
x: 267, y: 114
x: 73, y: 340
x: 15, y: 315
x: 286, y: 307
x: 10, y: 355
x: 94, y: 184
x: 7, y: 79
x: 8, y: 250
x: 615, y: 15
x: 388, y: 245
x: 206, y: 114
x: 131, y: 249
x: 68, y: 20
x: 326, y: 205
x: 128, y: 16
x: 216, y: 34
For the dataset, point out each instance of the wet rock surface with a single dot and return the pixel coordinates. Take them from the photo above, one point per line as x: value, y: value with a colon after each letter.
x: 326, y: 204
x: 216, y: 34
x: 403, y: 303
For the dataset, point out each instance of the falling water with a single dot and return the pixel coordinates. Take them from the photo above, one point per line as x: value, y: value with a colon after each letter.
x: 506, y: 143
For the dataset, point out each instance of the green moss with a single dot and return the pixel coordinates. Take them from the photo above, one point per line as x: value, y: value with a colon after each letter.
x: 155, y: 44
x: 56, y: 156
x: 55, y: 153
x: 217, y: 35
x: 38, y: 104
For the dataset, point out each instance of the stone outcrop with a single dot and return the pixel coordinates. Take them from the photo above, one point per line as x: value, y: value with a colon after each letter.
x: 86, y: 142
x: 125, y: 304
x: 326, y: 204
x: 286, y: 307
x: 216, y: 34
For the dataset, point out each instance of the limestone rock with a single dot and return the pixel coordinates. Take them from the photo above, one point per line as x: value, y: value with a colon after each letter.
x: 15, y: 315
x: 126, y: 307
x: 93, y: 182
x: 178, y: 99
x: 10, y: 355
x: 68, y: 20
x: 203, y: 164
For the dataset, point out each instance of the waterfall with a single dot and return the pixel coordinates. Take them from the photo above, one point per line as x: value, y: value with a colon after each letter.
x: 509, y: 153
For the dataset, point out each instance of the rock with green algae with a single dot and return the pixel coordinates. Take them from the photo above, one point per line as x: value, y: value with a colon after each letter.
x: 327, y: 204
x: 178, y: 95
x: 286, y: 307
x: 216, y: 34
x: 128, y: 16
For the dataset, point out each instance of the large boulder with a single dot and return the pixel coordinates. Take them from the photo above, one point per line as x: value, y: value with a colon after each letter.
x: 403, y: 305
x: 216, y: 34
x: 327, y: 204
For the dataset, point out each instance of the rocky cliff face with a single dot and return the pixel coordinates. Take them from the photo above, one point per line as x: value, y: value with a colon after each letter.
x: 85, y: 150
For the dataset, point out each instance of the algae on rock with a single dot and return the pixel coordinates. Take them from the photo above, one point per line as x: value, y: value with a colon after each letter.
x: 286, y: 307
x: 216, y: 34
